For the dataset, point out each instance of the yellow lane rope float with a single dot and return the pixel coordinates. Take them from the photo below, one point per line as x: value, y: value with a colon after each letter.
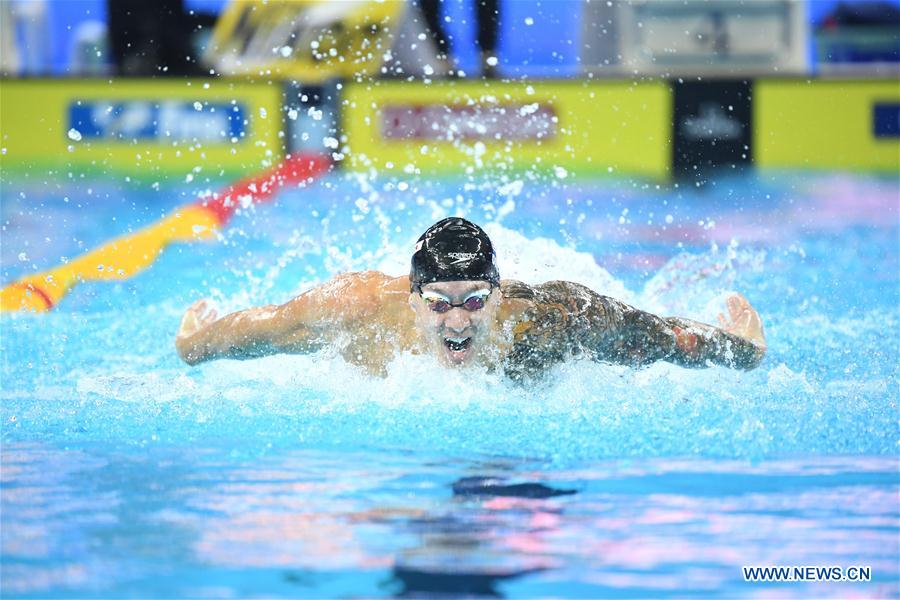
x: 128, y: 255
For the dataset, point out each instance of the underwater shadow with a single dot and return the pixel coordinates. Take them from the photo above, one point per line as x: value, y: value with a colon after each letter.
x: 457, y: 538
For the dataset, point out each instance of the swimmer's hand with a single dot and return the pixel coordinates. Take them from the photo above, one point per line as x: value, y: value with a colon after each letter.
x: 198, y: 317
x: 743, y: 320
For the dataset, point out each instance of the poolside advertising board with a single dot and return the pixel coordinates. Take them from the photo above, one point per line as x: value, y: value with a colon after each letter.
x: 827, y: 124
x: 141, y: 125
x: 651, y: 129
x: 610, y: 127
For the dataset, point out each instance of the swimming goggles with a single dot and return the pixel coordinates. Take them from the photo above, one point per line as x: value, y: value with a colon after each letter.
x: 441, y: 304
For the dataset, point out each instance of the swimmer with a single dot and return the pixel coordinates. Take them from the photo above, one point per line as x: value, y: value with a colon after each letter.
x: 454, y: 306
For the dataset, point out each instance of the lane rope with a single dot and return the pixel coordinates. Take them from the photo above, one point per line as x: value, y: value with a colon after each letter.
x: 125, y: 256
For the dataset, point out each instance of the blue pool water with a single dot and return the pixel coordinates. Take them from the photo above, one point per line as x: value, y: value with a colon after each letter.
x: 126, y: 473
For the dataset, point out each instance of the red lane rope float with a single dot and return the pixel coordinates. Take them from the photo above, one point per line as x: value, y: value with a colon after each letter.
x: 125, y: 256
x: 254, y: 190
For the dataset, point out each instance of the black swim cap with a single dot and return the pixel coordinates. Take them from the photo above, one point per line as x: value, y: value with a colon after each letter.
x: 453, y: 250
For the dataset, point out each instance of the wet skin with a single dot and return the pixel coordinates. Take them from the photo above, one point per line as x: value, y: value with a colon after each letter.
x: 369, y: 317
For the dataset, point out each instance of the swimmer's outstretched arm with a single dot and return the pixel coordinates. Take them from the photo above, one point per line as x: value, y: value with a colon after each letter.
x: 739, y: 343
x: 571, y: 315
x: 311, y: 321
x: 250, y: 333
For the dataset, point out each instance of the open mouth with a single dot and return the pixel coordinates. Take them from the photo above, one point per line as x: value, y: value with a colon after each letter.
x: 457, y: 346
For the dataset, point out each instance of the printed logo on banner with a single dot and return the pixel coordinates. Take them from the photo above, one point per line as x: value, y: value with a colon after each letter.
x: 164, y: 121
x: 711, y: 123
x: 516, y: 122
x: 886, y: 120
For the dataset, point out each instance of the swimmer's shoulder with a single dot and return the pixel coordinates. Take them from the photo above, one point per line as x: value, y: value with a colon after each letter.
x: 516, y: 290
x: 381, y: 297
x: 360, y: 294
x: 554, y: 316
x: 556, y: 292
x: 519, y: 296
x: 516, y: 299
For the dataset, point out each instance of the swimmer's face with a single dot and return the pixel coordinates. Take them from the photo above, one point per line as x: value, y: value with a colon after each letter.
x: 457, y: 335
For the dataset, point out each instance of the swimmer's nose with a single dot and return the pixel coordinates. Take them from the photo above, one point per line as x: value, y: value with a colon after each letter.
x: 457, y: 319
